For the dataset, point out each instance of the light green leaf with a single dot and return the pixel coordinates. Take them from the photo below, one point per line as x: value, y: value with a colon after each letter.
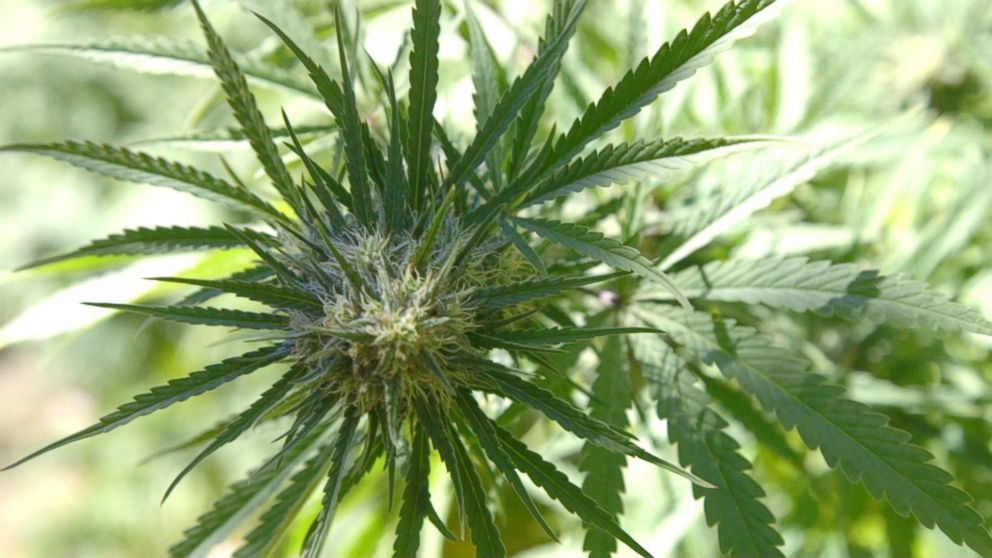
x: 594, y: 245
x: 656, y: 160
x: 850, y: 435
x: 314, y: 542
x: 611, y: 396
x: 162, y: 55
x: 712, y: 215
x: 423, y: 94
x: 846, y: 290
x: 745, y: 526
x: 415, y: 499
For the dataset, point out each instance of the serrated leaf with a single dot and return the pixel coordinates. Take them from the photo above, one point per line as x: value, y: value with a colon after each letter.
x: 558, y: 335
x: 415, y: 499
x: 574, y: 420
x: 850, y: 435
x: 314, y: 542
x: 241, y: 423
x: 557, y: 486
x: 242, y: 498
x: 846, y: 290
x: 275, y: 522
x: 422, y: 95
x: 226, y: 139
x: 510, y: 104
x: 162, y: 55
x: 489, y: 80
x: 526, y: 126
x: 639, y: 160
x: 672, y: 63
x: 245, y: 109
x: 175, y: 391
x: 594, y: 245
x: 474, y: 504
x: 145, y: 241
x: 745, y: 526
x: 266, y: 293
x: 712, y: 215
x: 134, y: 166
x: 520, y: 243
x: 527, y: 291
x: 611, y: 396
x: 204, y: 316
x: 486, y: 435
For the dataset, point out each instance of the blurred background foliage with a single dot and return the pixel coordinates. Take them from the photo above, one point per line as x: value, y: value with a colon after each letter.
x: 917, y: 201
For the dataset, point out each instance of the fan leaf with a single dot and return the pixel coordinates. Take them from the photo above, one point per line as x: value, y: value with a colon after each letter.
x: 827, y: 289
x: 850, y: 435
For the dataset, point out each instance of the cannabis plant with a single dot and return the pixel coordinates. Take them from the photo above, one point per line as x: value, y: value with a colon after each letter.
x: 423, y: 293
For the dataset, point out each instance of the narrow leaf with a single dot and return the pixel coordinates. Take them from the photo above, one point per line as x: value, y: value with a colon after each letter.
x: 175, y: 391
x: 146, y: 241
x: 204, y: 316
x: 133, y: 166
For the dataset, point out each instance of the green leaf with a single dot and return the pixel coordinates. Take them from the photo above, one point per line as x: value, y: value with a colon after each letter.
x: 512, y: 101
x: 473, y: 504
x: 266, y: 293
x: 349, y: 121
x: 242, y: 498
x: 227, y: 139
x: 611, y: 397
x: 594, y: 245
x: 133, y: 166
x: 175, y: 391
x: 746, y: 527
x: 146, y: 241
x: 574, y: 420
x: 204, y: 316
x: 513, y: 294
x: 672, y: 63
x: 254, y: 273
x: 846, y: 290
x: 520, y: 243
x: 484, y: 432
x: 245, y: 109
x: 294, y: 22
x: 314, y: 542
x: 422, y: 95
x: 488, y: 79
x: 241, y: 423
x: 162, y: 55
x: 275, y: 522
x: 712, y: 215
x: 557, y: 27
x: 619, y: 164
x: 558, y: 335
x: 557, y: 486
x: 416, y: 499
x: 850, y: 435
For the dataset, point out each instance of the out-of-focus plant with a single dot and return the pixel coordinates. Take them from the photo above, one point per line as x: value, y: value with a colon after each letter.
x: 430, y: 292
